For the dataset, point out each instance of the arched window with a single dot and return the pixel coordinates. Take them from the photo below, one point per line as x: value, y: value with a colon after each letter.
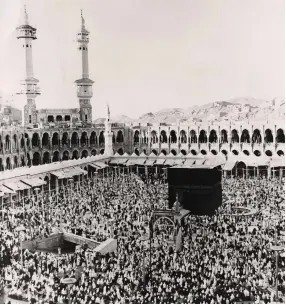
x: 35, y: 140
x: 203, y: 137
x: 213, y: 136
x: 163, y: 137
x: 234, y: 136
x: 183, y: 136
x: 154, y: 137
x: 173, y: 137
x: 120, y: 138
x: 93, y: 139
x: 45, y: 140
x: 256, y: 137
x: 280, y: 136
x: 268, y: 136
x: 136, y: 137
x: 193, y: 136
x: 55, y: 139
x: 74, y: 139
x: 223, y: 136
x: 245, y: 138
x: 101, y: 138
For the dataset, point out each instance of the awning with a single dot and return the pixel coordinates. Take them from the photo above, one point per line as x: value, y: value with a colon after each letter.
x: 81, y: 171
x: 131, y: 162
x: 122, y: 161
x: 59, y: 174
x: 200, y: 161
x: 6, y: 190
x: 100, y: 164
x: 34, y: 181
x: 150, y: 162
x: 17, y: 186
x: 277, y: 162
x: 179, y: 161
x: 170, y: 162
x: 229, y: 165
x: 189, y: 162
x: 160, y: 161
x: 70, y: 172
x: 93, y: 166
x: 140, y: 161
x: 117, y: 161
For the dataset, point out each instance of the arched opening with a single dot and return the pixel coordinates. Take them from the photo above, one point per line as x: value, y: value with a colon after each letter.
x: 257, y: 153
x: 193, y: 152
x: 67, y: 118
x: 145, y: 138
x: 203, y: 137
x: 56, y: 156
x: 280, y: 153
x: 193, y: 136
x: 154, y: 151
x: 15, y: 161
x: 36, y: 159
x: 1, y: 165
x: 120, y: 138
x: 136, y: 137
x: 154, y: 137
x: 120, y: 151
x: 84, y: 154
x: 93, y: 152
x: 163, y: 137
x: 74, y: 139
x: 235, y: 152
x: 203, y: 152
x: 59, y: 118
x: 137, y: 151
x: 101, y: 138
x: 23, y: 161
x: 224, y: 152
x: 102, y: 151
x: 27, y: 140
x: 113, y: 137
x: 245, y: 137
x: 29, y: 160
x: 256, y: 137
x: 45, y: 140
x: 214, y: 152
x: 213, y: 136
x: 183, y: 152
x: 22, y: 142
x: 35, y: 140
x: 51, y: 119
x: 268, y: 136
x: 280, y: 136
x: 65, y: 139
x: 7, y: 143
x: 75, y: 155
x: 66, y: 155
x: 268, y: 153
x: 83, y: 139
x: 55, y: 139
x: 8, y: 163
x: 145, y: 151
x: 223, y: 136
x: 241, y: 169
x: 234, y: 136
x: 163, y: 151
x: 246, y: 152
x: 183, y: 137
x: 46, y: 157
x: 15, y: 140
x: 173, y: 152
x: 173, y: 137
x: 93, y: 139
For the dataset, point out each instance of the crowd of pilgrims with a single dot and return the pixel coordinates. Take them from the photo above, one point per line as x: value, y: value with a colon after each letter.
x: 220, y: 259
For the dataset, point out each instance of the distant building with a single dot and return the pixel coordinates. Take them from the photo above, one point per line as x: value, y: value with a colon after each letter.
x: 10, y: 115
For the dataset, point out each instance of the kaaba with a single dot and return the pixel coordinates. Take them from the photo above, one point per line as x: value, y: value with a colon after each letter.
x: 198, y: 188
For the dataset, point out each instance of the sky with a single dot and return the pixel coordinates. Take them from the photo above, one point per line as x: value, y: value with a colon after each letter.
x: 147, y: 55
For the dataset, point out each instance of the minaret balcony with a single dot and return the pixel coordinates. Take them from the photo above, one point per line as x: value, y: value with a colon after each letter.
x: 84, y: 94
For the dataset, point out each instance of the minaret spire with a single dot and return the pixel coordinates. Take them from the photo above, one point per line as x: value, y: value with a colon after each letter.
x: 108, y: 150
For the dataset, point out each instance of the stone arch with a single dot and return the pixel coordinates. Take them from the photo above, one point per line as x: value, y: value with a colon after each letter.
x: 183, y: 137
x: 173, y: 137
x: 213, y: 136
x: 1, y: 165
x: 84, y: 139
x: 23, y: 163
x: 15, y: 162
x: 93, y: 138
x: 29, y: 160
x: 203, y: 152
x: 235, y: 152
x: 8, y: 163
x: 223, y: 136
x: 22, y: 142
x: 45, y: 140
x: 75, y: 154
x: 280, y: 136
x: 36, y: 158
x: 234, y: 136
x: 120, y: 137
x: 59, y: 118
x: 245, y: 137
x: 170, y: 220
x: 194, y: 152
x: 193, y: 136
x: 154, y: 151
x: 154, y: 137
x: 84, y: 154
x: 136, y: 151
x: 46, y: 157
x: 120, y: 151
x: 163, y: 151
x: 35, y: 140
x: 55, y: 139
x: 15, y: 140
x: 101, y: 138
x: 268, y: 136
x: 241, y: 168
x: 102, y: 151
x: 163, y: 137
x: 65, y: 138
x: 27, y: 140
x: 173, y: 152
x: 93, y: 152
x: 203, y: 136
x: 7, y: 143
x: 66, y: 155
x: 51, y: 119
x: 113, y: 137
x: 74, y: 139
x: 183, y: 152
x: 268, y: 153
x: 214, y: 152
x: 257, y: 153
x: 280, y: 153
x: 56, y: 156
x: 136, y: 137
x: 246, y: 152
x: 256, y: 136
x: 224, y: 152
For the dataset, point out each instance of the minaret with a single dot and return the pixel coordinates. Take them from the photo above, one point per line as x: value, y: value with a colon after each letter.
x: 84, y: 85
x: 27, y: 33
x: 108, y: 150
